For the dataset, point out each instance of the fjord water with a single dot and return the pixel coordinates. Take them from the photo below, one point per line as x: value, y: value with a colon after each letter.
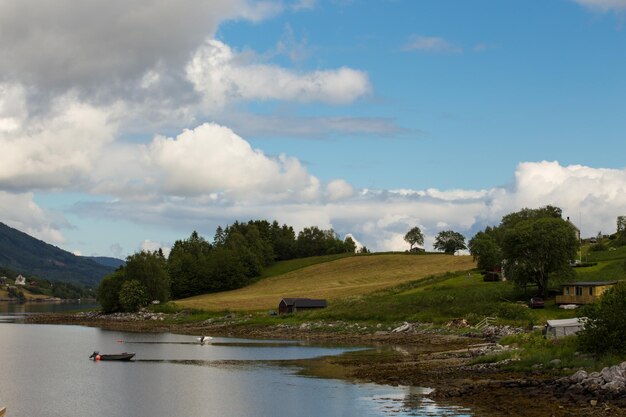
x: 45, y: 372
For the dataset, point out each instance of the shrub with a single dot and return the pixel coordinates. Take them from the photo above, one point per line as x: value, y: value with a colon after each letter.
x: 598, y: 247
x: 605, y: 330
x: 132, y: 295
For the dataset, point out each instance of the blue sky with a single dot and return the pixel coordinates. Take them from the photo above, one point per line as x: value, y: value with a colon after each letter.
x: 125, y: 126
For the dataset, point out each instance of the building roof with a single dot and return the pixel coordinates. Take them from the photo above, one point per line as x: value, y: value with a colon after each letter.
x: 577, y: 321
x: 304, y: 302
x: 589, y: 283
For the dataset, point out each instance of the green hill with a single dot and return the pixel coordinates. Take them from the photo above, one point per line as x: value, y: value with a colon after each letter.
x: 332, y: 278
x: 32, y: 257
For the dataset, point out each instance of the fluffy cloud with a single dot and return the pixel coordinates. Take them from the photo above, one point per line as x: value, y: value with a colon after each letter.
x: 19, y: 210
x: 212, y: 159
x: 223, y: 76
x: 592, y: 197
x: 58, y: 45
x: 56, y: 150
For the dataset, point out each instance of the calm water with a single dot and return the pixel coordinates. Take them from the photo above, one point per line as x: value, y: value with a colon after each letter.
x: 45, y: 372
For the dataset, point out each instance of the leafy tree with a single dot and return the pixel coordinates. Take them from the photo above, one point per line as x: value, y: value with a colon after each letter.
x: 283, y: 240
x: 150, y: 269
x: 350, y: 246
x: 108, y: 291
x: 620, y: 238
x: 605, y: 328
x: 485, y: 250
x: 189, y: 266
x: 449, y: 241
x: 537, y: 250
x: 414, y: 237
x: 132, y: 295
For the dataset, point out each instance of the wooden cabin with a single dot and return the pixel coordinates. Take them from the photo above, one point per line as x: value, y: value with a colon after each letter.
x: 583, y: 292
x: 292, y: 305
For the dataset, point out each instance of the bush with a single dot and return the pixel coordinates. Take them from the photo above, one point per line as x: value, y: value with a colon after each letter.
x: 132, y: 295
x: 598, y: 247
x: 605, y: 331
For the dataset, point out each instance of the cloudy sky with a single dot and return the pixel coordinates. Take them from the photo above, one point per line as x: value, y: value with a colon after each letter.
x: 127, y: 124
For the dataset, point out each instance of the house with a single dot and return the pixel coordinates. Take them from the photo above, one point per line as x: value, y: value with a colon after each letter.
x: 583, y: 292
x: 576, y: 229
x: 292, y: 305
x: 555, y: 329
x: 20, y: 280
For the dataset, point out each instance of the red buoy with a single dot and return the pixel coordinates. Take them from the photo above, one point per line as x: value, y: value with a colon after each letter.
x: 97, y: 357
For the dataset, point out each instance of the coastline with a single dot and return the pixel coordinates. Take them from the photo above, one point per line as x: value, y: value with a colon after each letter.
x: 418, y: 357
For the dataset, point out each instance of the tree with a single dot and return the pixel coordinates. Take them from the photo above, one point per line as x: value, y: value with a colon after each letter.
x: 349, y: 244
x: 485, y: 250
x: 132, y: 295
x: 189, y: 267
x: 150, y: 269
x: 537, y: 250
x: 449, y: 241
x: 108, y: 291
x: 605, y: 328
x: 414, y: 237
x: 621, y: 231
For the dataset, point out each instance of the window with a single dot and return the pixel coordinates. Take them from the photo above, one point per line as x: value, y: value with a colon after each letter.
x: 579, y: 291
x: 566, y: 290
x: 590, y: 290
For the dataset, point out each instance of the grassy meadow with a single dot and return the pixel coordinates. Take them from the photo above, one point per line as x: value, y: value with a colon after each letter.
x: 332, y: 279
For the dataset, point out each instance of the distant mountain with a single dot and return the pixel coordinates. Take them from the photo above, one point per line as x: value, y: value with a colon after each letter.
x: 106, y: 261
x: 28, y: 256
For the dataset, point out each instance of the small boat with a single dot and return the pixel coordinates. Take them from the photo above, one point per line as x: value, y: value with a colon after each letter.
x: 97, y: 356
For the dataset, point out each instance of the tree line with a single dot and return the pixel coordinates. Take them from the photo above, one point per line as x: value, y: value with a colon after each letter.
x: 236, y: 256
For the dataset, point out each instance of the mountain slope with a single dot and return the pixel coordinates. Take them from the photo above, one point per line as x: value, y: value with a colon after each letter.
x: 341, y: 278
x: 28, y: 256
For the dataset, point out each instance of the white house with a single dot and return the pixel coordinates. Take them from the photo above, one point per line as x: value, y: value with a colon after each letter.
x: 20, y: 280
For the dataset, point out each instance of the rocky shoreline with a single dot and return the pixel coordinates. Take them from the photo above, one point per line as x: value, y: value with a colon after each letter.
x: 411, y: 354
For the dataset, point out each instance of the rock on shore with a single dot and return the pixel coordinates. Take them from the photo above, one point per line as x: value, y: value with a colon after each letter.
x: 608, y: 384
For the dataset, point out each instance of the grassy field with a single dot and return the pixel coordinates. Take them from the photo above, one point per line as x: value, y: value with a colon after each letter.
x: 333, y: 280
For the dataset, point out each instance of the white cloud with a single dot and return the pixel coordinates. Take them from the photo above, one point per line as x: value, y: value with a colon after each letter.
x: 213, y: 159
x: 61, y: 44
x: 223, y: 76
x: 19, y: 210
x: 592, y: 197
x: 150, y: 246
x: 338, y: 190
x: 57, y: 150
x: 431, y: 44
x: 604, y: 5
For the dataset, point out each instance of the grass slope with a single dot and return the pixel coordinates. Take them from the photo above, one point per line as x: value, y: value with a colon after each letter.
x: 333, y: 280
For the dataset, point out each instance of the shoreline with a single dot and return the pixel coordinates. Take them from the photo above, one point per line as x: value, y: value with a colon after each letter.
x: 419, y: 358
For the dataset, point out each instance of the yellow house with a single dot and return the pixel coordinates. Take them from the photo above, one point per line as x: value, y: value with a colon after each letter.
x: 583, y: 292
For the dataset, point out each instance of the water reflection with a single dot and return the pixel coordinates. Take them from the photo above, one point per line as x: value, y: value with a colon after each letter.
x: 172, y: 375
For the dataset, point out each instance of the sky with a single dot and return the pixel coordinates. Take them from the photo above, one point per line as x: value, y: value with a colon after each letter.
x: 125, y: 125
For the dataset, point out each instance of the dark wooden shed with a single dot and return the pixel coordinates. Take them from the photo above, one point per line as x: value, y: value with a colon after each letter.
x: 292, y: 305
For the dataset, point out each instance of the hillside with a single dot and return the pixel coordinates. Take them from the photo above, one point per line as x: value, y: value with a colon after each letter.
x: 28, y: 256
x: 341, y: 278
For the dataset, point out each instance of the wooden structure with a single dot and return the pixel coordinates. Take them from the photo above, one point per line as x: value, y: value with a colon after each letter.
x: 3, y: 410
x: 583, y: 292
x: 292, y: 305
